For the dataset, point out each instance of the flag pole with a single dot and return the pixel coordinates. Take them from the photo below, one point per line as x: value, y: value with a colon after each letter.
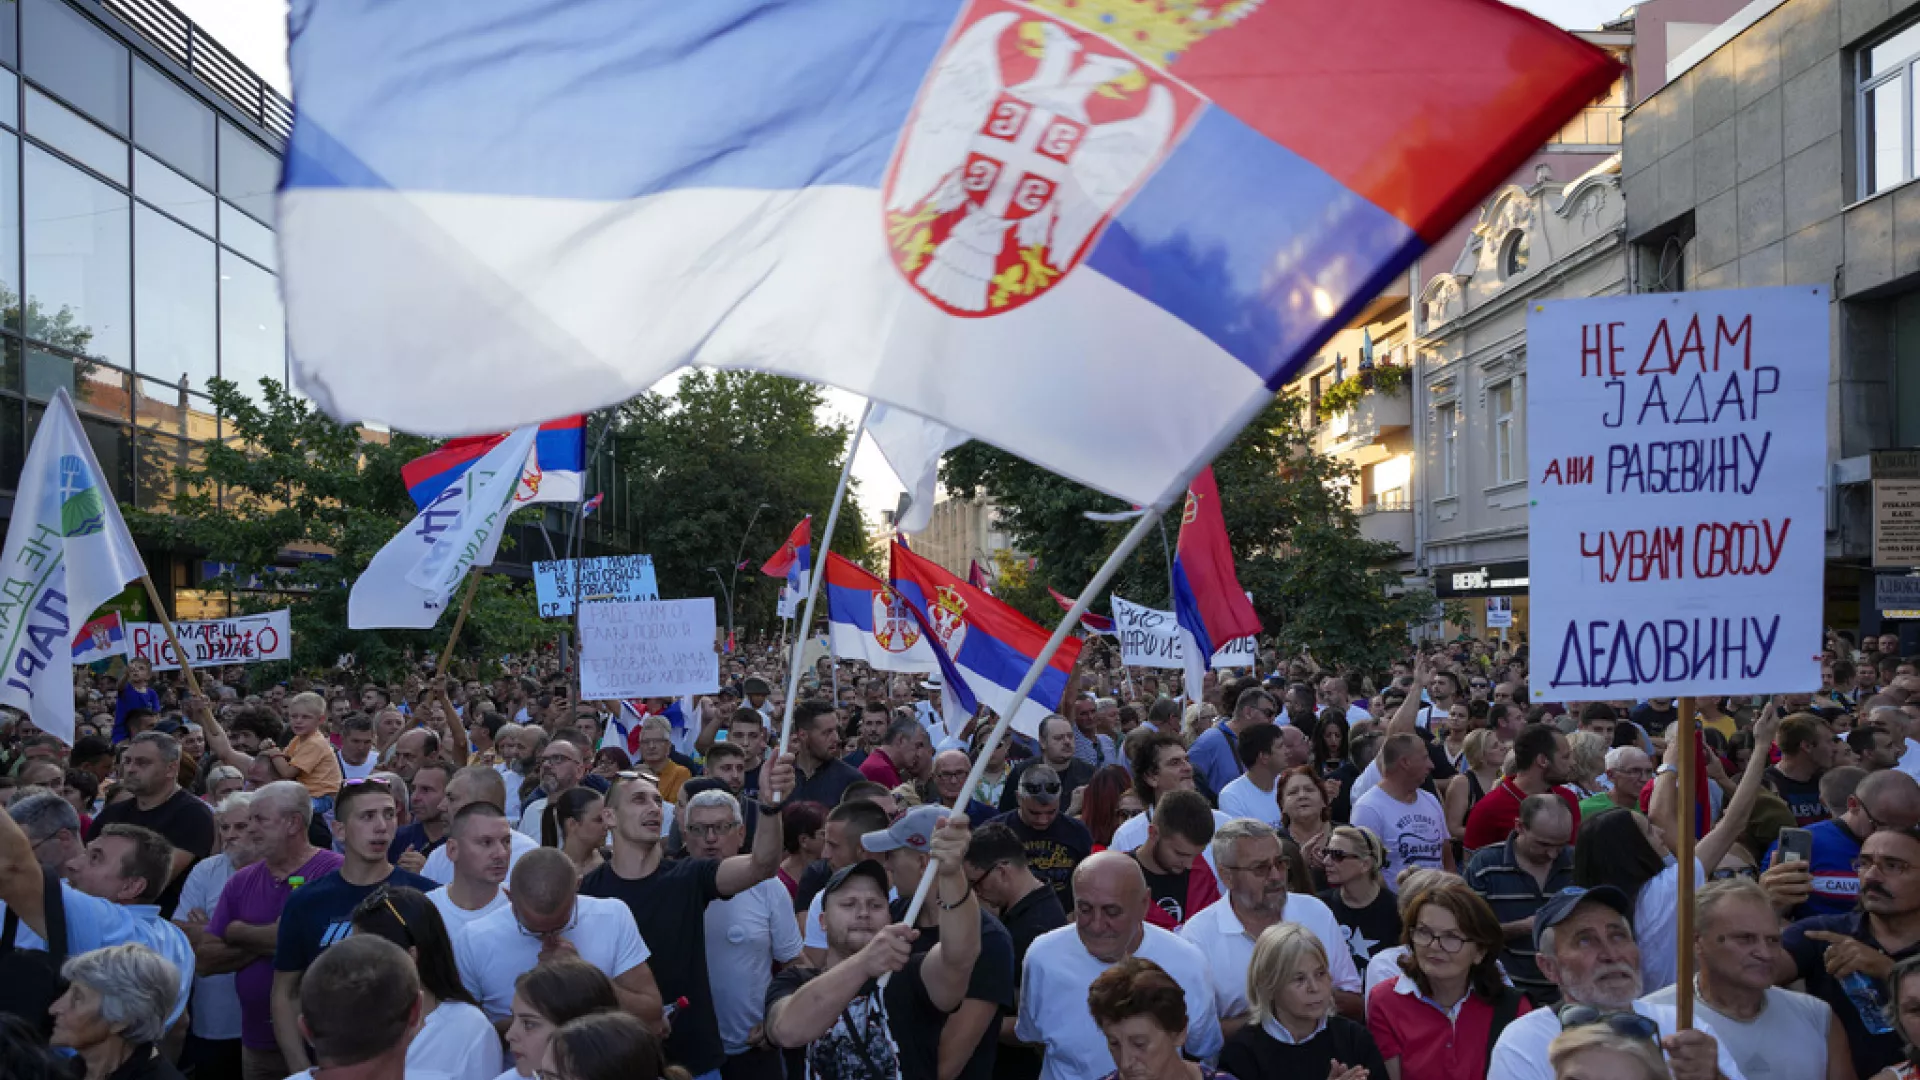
x: 460, y: 620
x: 814, y: 576
x: 1683, y: 853
x: 160, y: 609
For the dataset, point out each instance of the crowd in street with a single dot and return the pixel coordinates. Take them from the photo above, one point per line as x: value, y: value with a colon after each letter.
x: 1423, y: 872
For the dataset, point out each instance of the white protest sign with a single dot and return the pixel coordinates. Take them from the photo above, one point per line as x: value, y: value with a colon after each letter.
x: 1677, y: 473
x: 243, y: 639
x: 648, y: 648
x: 615, y: 577
x: 1151, y: 638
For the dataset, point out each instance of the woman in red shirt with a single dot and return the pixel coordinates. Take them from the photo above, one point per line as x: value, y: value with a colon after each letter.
x: 1439, y: 1018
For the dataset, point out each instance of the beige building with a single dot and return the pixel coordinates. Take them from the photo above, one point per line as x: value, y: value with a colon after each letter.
x: 961, y: 532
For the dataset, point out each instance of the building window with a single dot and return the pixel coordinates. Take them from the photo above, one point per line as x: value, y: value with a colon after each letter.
x: 1886, y: 78
x: 1449, y: 449
x: 1506, y: 454
x: 1513, y: 257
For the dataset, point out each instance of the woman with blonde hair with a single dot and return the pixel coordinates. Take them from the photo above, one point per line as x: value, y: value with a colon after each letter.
x: 1903, y: 989
x: 1589, y: 750
x: 1596, y: 1052
x: 1357, y: 893
x: 1484, y: 753
x: 1292, y: 1030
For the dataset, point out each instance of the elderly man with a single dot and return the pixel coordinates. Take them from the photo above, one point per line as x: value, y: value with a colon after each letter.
x: 1091, y: 745
x: 563, y: 765
x: 1055, y: 843
x: 1888, y: 799
x: 950, y: 771
x: 1056, y: 753
x: 546, y: 917
x: 1583, y: 942
x: 150, y: 768
x: 1628, y: 770
x: 1255, y: 867
x: 411, y: 749
x: 747, y: 935
x: 1109, y: 913
x: 1517, y: 876
x: 110, y: 896
x: 1216, y: 753
x: 213, y: 1039
x: 52, y: 825
x: 1768, y: 1030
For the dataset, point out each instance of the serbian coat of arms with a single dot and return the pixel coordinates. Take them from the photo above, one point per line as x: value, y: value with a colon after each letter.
x: 1036, y: 124
x: 894, y: 627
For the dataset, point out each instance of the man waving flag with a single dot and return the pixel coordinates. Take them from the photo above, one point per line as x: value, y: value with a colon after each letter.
x: 968, y: 209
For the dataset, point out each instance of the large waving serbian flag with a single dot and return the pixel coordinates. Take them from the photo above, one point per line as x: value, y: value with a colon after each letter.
x: 554, y: 474
x: 974, y: 210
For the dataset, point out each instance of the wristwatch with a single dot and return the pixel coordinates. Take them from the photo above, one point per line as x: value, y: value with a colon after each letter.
x: 1665, y: 769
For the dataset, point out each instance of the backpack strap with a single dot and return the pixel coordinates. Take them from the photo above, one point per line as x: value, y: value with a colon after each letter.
x: 1505, y: 1008
x: 55, y: 908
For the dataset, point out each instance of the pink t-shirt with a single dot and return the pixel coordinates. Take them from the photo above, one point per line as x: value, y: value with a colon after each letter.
x: 253, y: 896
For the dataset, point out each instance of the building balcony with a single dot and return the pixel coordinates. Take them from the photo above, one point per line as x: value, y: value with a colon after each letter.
x: 1376, y: 416
x: 1388, y: 518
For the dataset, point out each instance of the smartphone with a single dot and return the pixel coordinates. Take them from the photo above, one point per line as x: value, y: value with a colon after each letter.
x: 1796, y: 845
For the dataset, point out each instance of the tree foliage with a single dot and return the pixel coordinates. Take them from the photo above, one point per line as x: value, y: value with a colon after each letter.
x: 285, y: 475
x: 704, y: 459
x: 1318, y: 584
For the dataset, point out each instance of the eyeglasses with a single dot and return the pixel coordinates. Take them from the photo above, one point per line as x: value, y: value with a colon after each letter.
x: 1630, y: 1024
x: 639, y: 774
x: 573, y: 919
x: 1881, y: 863
x: 974, y: 880
x: 1728, y: 873
x: 951, y: 774
x: 1263, y: 868
x: 1446, y: 940
x: 559, y: 759
x: 710, y: 831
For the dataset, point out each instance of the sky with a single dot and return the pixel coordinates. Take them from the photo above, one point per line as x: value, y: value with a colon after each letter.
x: 256, y: 32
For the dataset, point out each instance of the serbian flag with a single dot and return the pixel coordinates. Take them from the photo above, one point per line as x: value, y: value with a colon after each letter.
x: 554, y: 473
x: 971, y: 210
x: 869, y: 620
x: 795, y: 557
x: 99, y: 639
x: 991, y: 644
x: 1095, y: 624
x: 1207, y: 597
x: 978, y: 577
x: 587, y: 508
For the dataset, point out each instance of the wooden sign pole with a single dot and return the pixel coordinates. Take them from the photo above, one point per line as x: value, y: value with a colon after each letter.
x: 1683, y: 729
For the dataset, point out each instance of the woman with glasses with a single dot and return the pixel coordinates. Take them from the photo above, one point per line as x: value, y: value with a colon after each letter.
x: 547, y: 998
x: 1357, y: 893
x: 455, y: 1038
x: 1435, y: 1020
x: 1292, y: 1030
x: 1106, y: 802
x: 574, y: 824
x: 1597, y: 1052
x: 607, y: 1046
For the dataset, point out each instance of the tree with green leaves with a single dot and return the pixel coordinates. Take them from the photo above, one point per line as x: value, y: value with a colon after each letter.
x: 725, y: 450
x: 1319, y: 585
x: 286, y: 476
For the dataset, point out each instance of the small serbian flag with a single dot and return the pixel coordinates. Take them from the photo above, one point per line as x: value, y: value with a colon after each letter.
x: 795, y: 556
x: 1207, y: 597
x: 978, y: 578
x: 1095, y: 624
x: 587, y: 508
x: 99, y: 639
x: 554, y: 473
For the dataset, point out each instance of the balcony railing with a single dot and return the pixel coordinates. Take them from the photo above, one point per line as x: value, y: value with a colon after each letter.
x: 1597, y: 125
x: 194, y: 49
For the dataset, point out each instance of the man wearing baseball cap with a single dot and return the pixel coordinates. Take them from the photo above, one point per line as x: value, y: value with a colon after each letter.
x: 847, y: 1025
x: 971, y: 1035
x: 1583, y: 940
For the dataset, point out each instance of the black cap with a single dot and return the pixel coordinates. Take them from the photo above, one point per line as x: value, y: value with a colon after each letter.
x: 866, y: 868
x: 1563, y: 903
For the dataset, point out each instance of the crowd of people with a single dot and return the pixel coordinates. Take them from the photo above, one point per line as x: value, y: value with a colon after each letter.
x: 1418, y: 873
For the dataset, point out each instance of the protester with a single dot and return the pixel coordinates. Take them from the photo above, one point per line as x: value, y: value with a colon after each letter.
x: 1028, y: 907
x: 1110, y: 911
x: 1888, y: 799
x: 899, y: 756
x: 1806, y: 752
x: 212, y: 1050
x: 1409, y: 821
x: 820, y: 775
x: 359, y: 1006
x: 1178, y: 876
x: 1439, y: 1018
x: 116, y: 1011
x: 455, y: 1037
x: 1357, y: 893
x: 412, y: 843
x: 480, y: 848
x: 1292, y: 1029
x: 1253, y: 791
x: 1055, y: 843
x: 607, y: 1046
x: 563, y: 764
x: 1602, y: 1053
x: 1628, y: 770
x: 1542, y: 763
x: 1056, y: 738
x: 848, y: 822
x: 1159, y: 763
x: 1143, y: 1014
x: 1107, y: 801
x: 803, y: 827
x: 1216, y: 754
x: 150, y: 769
x: 548, y: 997
x: 575, y: 822
x: 1517, y: 876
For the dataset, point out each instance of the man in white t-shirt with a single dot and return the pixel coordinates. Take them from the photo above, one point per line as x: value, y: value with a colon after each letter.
x: 749, y: 935
x: 360, y: 1004
x: 474, y: 784
x: 357, y: 759
x: 1255, y: 869
x: 1583, y: 940
x: 480, y: 847
x: 214, y: 1019
x: 1408, y: 820
x: 1770, y: 1031
x: 546, y: 917
x: 1255, y: 793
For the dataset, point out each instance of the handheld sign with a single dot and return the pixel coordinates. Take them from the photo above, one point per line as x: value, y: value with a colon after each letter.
x: 1678, y: 522
x: 1151, y: 638
x: 618, y: 577
x: 243, y: 639
x: 648, y: 648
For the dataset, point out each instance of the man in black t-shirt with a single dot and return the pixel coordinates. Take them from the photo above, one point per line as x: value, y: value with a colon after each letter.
x: 669, y: 901
x: 848, y: 1028
x: 1055, y: 843
x: 150, y: 768
x: 1806, y: 753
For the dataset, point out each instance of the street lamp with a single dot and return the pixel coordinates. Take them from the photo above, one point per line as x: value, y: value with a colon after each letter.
x: 727, y: 595
x: 737, y: 554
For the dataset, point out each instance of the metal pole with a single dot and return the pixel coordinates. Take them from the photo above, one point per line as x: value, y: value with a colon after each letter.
x: 727, y: 595
x: 814, y: 577
x: 738, y: 553
x: 575, y: 532
x: 1683, y: 853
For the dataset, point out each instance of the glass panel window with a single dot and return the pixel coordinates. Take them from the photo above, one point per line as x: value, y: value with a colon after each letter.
x: 10, y: 42
x: 1500, y: 407
x: 69, y: 55
x: 172, y: 123
x: 113, y: 447
x: 48, y: 372
x: 10, y: 228
x: 13, y: 435
x: 102, y: 391
x: 174, y: 291
x: 247, y: 236
x: 79, y: 288
x: 1885, y: 140
x: 9, y: 94
x: 1893, y: 52
x: 248, y: 172
x: 253, y: 337
x: 172, y: 193
x: 1449, y: 449
x: 76, y: 136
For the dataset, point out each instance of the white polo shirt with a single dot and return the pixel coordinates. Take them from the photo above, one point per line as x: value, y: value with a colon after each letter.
x: 1221, y: 937
x: 439, y: 865
x: 495, y: 950
x: 1053, y: 1001
x: 1521, y: 1053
